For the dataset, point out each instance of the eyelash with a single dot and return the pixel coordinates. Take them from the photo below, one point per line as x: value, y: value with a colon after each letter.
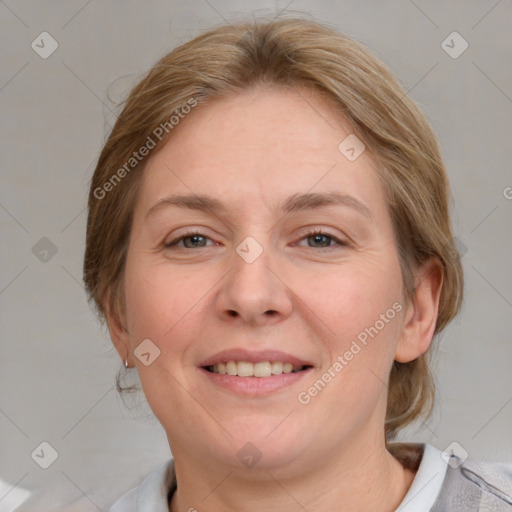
x: 315, y: 232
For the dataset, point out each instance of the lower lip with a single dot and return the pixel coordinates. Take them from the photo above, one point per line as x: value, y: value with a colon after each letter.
x: 255, y: 386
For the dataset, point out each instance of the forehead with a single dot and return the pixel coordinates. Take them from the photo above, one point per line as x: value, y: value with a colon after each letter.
x: 262, y: 145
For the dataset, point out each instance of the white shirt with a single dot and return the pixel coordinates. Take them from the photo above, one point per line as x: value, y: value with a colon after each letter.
x: 427, y: 483
x: 151, y: 494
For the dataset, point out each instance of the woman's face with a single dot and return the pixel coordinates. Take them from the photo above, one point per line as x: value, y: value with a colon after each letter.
x: 249, y: 280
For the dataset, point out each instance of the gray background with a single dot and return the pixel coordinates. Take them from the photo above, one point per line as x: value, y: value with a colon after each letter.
x: 58, y: 365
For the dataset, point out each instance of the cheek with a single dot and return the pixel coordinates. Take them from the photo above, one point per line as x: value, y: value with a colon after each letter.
x: 145, y: 300
x: 162, y: 308
x: 166, y: 304
x: 364, y: 322
x: 352, y: 298
x: 361, y: 309
x: 153, y: 297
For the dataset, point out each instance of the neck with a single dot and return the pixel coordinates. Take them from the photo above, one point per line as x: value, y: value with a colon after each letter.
x: 361, y: 476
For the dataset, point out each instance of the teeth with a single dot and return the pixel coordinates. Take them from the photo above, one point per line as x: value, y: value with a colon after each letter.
x: 277, y: 368
x: 262, y: 369
x: 245, y: 369
x: 231, y: 368
x: 287, y: 368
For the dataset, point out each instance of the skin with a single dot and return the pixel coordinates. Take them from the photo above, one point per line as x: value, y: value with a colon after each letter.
x: 253, y: 151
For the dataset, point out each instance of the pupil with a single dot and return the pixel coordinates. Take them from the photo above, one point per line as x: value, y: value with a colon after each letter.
x: 319, y: 237
x: 194, y: 238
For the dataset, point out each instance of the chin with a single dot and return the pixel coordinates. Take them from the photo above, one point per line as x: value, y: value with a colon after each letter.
x: 263, y: 445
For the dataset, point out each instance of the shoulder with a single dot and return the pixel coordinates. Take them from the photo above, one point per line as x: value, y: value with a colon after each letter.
x: 445, y: 482
x: 475, y: 485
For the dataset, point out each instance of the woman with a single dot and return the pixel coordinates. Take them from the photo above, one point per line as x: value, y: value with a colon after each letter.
x: 269, y: 243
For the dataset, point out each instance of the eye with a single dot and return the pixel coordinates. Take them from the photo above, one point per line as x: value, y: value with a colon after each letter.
x: 196, y: 241
x: 322, y: 238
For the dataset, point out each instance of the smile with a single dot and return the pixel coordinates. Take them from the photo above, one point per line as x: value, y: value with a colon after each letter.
x: 254, y: 373
x: 261, y: 369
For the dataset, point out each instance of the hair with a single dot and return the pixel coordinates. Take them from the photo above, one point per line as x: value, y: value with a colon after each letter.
x: 229, y: 59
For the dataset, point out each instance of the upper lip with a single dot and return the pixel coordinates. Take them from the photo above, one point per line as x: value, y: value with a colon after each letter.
x: 256, y: 356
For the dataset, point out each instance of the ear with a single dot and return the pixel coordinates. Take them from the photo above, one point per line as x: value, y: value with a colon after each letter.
x: 116, y: 323
x: 421, y: 314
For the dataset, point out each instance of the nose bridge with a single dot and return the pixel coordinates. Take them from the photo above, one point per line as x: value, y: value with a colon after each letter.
x: 252, y: 266
x: 252, y: 288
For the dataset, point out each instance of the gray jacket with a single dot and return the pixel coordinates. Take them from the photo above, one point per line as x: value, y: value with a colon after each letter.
x: 475, y: 487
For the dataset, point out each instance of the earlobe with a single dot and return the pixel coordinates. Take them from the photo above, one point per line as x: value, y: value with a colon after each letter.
x: 421, y: 314
x: 117, y: 328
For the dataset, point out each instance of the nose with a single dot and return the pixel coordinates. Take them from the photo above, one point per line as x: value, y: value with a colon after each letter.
x: 255, y: 291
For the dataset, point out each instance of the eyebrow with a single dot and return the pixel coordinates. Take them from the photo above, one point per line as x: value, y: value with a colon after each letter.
x: 295, y: 203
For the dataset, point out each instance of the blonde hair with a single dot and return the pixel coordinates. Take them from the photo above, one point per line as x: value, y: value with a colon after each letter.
x: 289, y: 52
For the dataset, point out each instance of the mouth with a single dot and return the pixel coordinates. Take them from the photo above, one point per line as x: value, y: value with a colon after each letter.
x: 260, y: 369
x: 250, y: 373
